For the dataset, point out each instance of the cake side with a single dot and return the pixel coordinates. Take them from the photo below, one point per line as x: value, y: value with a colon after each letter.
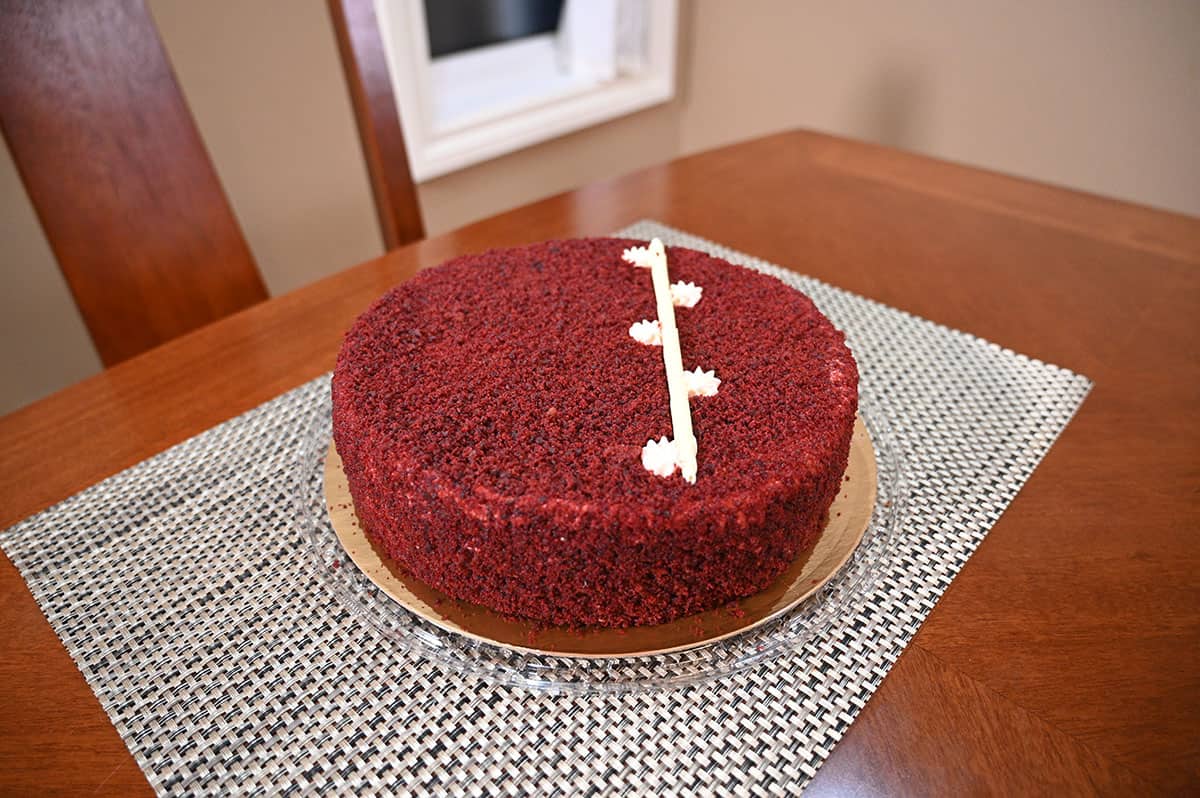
x: 490, y: 415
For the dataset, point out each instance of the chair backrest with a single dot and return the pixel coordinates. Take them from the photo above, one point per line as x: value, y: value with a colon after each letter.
x: 118, y: 174
x: 374, y: 101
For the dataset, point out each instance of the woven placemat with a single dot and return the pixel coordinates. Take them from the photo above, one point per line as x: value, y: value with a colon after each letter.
x: 182, y: 590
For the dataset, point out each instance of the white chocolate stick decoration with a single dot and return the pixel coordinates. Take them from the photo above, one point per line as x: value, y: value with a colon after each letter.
x: 655, y: 257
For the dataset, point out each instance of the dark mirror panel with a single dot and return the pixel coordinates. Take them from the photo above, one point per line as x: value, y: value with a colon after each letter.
x: 457, y: 25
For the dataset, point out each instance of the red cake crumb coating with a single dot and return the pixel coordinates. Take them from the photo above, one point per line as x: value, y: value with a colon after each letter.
x: 491, y: 412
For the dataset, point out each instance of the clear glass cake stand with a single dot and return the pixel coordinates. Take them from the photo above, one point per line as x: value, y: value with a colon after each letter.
x: 559, y: 673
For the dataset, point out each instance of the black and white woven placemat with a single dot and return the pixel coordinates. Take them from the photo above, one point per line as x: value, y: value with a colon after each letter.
x: 181, y: 589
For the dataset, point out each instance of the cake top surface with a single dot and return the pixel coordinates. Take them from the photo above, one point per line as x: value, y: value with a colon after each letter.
x: 511, y: 375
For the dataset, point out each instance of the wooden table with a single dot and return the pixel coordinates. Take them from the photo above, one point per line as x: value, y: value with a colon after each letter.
x: 1066, y: 655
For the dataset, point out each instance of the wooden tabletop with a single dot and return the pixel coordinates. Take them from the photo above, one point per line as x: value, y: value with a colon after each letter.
x: 1066, y: 655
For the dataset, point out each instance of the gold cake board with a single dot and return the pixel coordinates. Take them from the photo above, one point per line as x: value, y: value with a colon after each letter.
x: 849, y: 518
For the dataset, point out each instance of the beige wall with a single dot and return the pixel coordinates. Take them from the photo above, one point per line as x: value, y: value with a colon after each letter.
x: 1097, y: 94
x: 1101, y: 95
x: 265, y: 85
x: 43, y: 343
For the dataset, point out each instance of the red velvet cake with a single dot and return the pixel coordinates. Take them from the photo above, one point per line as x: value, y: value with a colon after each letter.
x: 491, y: 414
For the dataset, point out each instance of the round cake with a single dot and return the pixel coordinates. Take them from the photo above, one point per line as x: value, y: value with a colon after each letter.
x: 491, y: 415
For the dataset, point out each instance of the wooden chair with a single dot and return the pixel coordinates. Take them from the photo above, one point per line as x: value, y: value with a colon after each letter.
x: 117, y: 173
x: 374, y: 101
x: 120, y: 179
